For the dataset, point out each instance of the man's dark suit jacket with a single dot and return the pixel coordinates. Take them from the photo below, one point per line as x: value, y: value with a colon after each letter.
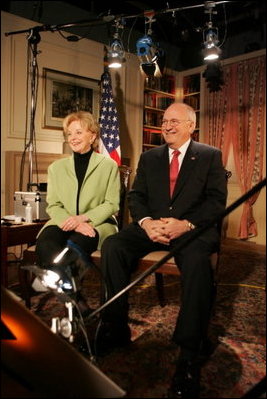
x: 200, y: 192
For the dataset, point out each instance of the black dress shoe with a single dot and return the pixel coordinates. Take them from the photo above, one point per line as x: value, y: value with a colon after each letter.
x: 110, y: 336
x: 186, y: 380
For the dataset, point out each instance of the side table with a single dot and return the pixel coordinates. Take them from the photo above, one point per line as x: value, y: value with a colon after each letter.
x: 13, y: 235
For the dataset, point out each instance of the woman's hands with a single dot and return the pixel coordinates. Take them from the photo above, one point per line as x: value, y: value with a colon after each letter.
x: 78, y: 223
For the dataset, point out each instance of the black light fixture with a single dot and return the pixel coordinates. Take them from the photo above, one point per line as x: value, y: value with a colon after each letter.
x: 115, y: 56
x: 146, y: 53
x: 63, y: 274
x: 211, y: 51
x: 151, y: 56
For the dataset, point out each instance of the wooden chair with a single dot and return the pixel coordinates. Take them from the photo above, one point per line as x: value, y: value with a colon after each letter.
x: 29, y: 256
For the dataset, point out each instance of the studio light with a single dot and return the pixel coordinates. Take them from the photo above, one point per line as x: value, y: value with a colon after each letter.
x: 56, y: 280
x: 146, y: 50
x: 151, y: 57
x: 211, y: 51
x: 60, y: 277
x: 51, y: 279
x: 115, y: 56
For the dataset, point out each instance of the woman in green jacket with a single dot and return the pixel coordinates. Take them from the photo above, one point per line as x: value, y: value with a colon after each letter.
x: 83, y: 193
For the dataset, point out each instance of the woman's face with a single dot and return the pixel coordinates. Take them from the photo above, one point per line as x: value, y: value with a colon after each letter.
x: 79, y: 139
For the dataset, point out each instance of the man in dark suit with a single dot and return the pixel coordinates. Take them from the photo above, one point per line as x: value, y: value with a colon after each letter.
x: 160, y: 218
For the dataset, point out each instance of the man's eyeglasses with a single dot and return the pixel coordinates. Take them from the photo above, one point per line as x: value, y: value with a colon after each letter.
x: 173, y: 122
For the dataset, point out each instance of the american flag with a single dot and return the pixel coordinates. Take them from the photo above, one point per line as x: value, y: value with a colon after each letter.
x: 109, y: 143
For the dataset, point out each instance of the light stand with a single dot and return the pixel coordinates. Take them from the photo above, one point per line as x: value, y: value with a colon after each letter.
x: 65, y: 325
x: 63, y: 284
x: 33, y: 39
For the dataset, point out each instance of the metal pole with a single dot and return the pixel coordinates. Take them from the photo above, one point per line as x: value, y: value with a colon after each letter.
x: 33, y: 38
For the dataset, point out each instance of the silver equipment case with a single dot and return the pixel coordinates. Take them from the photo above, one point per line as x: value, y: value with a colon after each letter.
x: 36, y: 199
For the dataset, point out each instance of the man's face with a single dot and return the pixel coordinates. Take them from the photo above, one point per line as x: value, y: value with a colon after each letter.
x: 176, y: 126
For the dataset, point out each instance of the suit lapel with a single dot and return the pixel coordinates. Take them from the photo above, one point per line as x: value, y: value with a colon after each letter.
x: 189, y: 164
x: 162, y: 160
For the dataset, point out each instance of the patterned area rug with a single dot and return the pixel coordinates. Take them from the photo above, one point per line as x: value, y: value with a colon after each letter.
x: 145, y: 369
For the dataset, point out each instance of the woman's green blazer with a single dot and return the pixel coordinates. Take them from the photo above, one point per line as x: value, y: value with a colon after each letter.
x: 99, y: 194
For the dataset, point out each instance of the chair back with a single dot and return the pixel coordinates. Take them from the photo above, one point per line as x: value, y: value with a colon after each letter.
x: 125, y: 172
x: 221, y: 225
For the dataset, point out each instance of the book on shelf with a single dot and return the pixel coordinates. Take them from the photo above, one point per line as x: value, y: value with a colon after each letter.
x: 165, y: 83
x: 193, y: 101
x: 152, y: 137
x: 164, y: 102
x: 191, y: 84
x: 152, y: 118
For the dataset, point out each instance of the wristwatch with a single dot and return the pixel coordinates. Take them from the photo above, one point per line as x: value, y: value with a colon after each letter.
x: 191, y: 226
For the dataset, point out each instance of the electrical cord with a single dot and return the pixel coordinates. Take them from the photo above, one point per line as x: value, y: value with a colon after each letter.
x: 82, y: 327
x: 105, y: 295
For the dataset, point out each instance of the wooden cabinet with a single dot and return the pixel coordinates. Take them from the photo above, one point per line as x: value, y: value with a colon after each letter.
x: 159, y: 93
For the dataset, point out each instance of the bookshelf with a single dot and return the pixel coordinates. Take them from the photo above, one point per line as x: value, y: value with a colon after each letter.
x: 191, y: 96
x: 159, y: 93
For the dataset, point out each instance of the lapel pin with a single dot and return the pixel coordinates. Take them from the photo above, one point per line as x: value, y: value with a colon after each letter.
x: 193, y: 158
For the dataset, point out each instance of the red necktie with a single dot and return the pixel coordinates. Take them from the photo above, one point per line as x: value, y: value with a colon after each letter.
x: 174, y: 170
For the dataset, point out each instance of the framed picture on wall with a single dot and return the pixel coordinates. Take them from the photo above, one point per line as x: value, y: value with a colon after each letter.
x: 65, y: 93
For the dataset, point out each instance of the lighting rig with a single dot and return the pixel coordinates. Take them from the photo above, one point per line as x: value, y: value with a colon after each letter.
x: 151, y: 56
x: 115, y: 56
x: 211, y: 51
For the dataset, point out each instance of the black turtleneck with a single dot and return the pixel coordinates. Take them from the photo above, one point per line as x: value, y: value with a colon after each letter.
x: 81, y: 162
